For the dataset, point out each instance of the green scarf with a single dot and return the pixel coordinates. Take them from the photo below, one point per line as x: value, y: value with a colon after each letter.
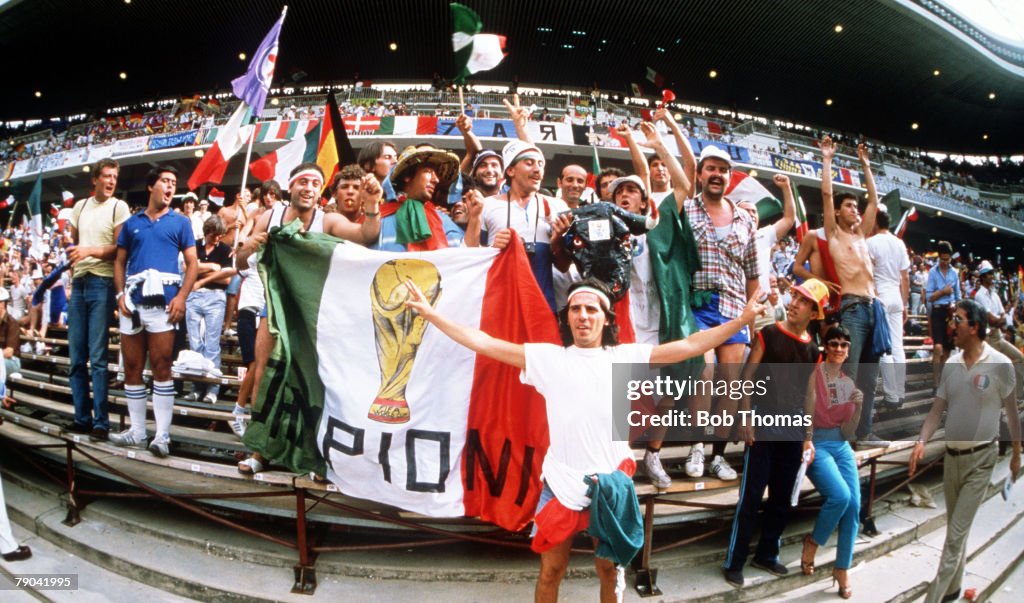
x: 411, y: 223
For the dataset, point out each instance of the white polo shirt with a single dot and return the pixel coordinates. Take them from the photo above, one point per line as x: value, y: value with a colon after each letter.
x: 974, y: 397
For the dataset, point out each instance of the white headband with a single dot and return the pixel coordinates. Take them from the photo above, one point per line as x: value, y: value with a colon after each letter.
x: 306, y: 173
x: 605, y: 303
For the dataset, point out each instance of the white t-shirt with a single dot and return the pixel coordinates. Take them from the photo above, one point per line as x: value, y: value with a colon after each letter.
x: 658, y: 197
x: 764, y: 239
x: 989, y: 300
x: 644, y: 301
x: 251, y: 294
x: 974, y: 396
x: 577, y: 385
x: 889, y: 256
x: 532, y: 223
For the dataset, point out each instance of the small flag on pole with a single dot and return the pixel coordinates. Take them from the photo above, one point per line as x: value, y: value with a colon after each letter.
x: 474, y: 51
x: 253, y: 87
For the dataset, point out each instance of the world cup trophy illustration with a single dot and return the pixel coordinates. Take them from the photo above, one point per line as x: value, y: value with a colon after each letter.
x: 398, y: 331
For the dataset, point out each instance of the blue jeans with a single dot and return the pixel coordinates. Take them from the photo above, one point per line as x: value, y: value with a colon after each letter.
x: 834, y: 474
x: 861, y: 365
x: 206, y: 305
x: 89, y: 315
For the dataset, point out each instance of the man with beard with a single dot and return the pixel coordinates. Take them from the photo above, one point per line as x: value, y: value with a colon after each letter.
x: 487, y: 172
x: 535, y: 218
x: 847, y: 234
x: 151, y: 301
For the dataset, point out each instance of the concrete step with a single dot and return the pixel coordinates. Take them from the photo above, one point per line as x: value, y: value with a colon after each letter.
x: 94, y: 584
x: 903, y: 574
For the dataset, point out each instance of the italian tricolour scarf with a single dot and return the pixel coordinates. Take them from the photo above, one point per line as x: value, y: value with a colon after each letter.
x: 363, y: 390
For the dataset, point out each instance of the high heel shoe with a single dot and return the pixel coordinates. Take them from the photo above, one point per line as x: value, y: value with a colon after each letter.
x: 807, y: 555
x: 839, y: 575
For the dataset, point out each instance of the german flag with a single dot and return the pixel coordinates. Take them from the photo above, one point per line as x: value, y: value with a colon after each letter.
x: 334, y: 149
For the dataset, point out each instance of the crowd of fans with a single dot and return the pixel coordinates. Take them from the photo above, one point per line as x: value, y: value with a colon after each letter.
x: 172, y: 263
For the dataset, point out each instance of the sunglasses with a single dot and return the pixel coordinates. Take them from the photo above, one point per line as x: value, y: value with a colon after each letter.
x: 838, y: 345
x: 957, y: 319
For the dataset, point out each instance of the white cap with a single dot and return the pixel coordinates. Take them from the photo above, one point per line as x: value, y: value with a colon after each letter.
x: 715, y: 152
x: 624, y: 179
x: 985, y: 267
x: 514, y: 149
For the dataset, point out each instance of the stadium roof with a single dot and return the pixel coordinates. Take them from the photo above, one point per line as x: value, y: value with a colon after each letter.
x: 780, y: 59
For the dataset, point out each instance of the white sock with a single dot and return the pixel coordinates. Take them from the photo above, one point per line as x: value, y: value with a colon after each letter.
x: 698, y: 446
x: 163, y: 406
x: 136, y: 395
x: 239, y: 410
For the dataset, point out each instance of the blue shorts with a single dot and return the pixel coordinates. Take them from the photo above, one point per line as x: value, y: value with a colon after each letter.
x: 708, y: 317
x: 234, y: 285
x: 546, y: 496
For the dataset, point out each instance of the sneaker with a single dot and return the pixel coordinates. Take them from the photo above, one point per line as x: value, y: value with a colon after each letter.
x: 160, y: 446
x: 26, y: 348
x: 872, y: 441
x: 98, y: 434
x: 79, y: 428
x: 734, y: 577
x: 238, y: 424
x: 210, y: 399
x: 657, y: 474
x: 230, y: 333
x: 41, y: 348
x: 14, y: 376
x: 695, y: 462
x: 127, y: 438
x: 720, y: 468
x: 192, y: 397
x: 772, y: 567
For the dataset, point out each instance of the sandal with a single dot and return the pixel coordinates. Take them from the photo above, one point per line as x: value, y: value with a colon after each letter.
x: 250, y: 466
x: 807, y: 555
x: 839, y: 575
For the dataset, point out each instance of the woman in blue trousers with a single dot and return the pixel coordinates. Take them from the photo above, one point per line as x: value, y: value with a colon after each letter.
x: 835, y: 403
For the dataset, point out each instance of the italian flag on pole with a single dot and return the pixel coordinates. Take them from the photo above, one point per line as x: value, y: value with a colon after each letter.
x: 474, y: 51
x: 745, y: 188
x: 230, y: 139
x: 277, y: 164
x: 365, y: 392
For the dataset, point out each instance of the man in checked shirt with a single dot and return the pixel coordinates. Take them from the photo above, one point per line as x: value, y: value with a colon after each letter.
x: 721, y: 288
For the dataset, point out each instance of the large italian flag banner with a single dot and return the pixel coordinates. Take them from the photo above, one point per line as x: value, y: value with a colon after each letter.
x: 363, y: 390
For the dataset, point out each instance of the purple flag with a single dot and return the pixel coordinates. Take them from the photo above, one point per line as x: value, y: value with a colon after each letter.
x: 254, y: 85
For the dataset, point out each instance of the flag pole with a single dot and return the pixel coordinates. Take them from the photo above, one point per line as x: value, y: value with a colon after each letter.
x: 245, y: 174
x: 462, y: 102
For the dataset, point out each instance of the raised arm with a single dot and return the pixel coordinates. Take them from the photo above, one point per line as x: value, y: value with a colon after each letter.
x: 783, y: 226
x: 867, y: 225
x: 252, y: 244
x: 828, y: 151
x: 681, y: 185
x: 465, y: 125
x: 474, y: 339
x: 640, y: 166
x: 685, y: 151
x: 520, y: 115
x: 370, y: 193
x: 702, y: 341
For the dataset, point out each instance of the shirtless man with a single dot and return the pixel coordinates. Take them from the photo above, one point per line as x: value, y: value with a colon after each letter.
x: 847, y: 235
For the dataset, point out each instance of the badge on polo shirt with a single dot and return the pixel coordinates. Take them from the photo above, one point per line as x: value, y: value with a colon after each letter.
x: 981, y: 382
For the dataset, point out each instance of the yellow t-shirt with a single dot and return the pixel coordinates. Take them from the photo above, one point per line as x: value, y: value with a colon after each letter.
x: 95, y: 223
